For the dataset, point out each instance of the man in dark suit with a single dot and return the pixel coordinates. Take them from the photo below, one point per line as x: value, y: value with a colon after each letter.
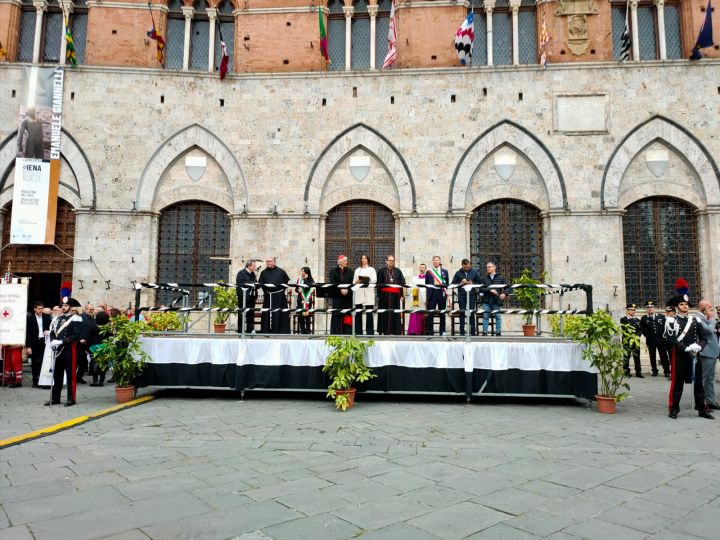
x: 436, y: 298
x: 341, y: 323
x: 493, y: 297
x: 653, y: 326
x: 247, y: 295
x: 633, y: 321
x: 37, y: 328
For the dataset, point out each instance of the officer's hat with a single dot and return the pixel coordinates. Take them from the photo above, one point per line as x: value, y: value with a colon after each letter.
x: 631, y: 306
x: 70, y: 302
x: 649, y: 303
x: 675, y: 300
x: 670, y: 308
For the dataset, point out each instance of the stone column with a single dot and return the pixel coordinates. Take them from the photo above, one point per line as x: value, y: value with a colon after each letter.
x: 373, y: 11
x: 40, y: 8
x: 212, y: 15
x: 348, y: 11
x: 515, y: 7
x: 660, y: 7
x: 188, y: 13
x: 634, y: 30
x: 67, y: 7
x: 489, y: 5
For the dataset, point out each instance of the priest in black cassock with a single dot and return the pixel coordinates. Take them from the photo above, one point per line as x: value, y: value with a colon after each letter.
x: 341, y: 323
x: 389, y: 297
x: 274, y: 322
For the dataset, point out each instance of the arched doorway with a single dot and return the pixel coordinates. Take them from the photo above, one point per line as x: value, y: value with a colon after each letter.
x: 47, y: 265
x: 509, y: 233
x: 193, y: 246
x: 660, y: 244
x: 358, y: 227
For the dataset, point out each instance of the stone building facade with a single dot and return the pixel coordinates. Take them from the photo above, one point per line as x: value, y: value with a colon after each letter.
x: 581, y: 144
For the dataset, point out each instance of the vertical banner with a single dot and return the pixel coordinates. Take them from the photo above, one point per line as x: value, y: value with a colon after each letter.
x: 13, y: 311
x: 37, y: 162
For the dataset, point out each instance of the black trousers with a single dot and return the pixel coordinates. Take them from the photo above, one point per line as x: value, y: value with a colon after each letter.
x: 303, y: 323
x: 369, y: 321
x: 435, y: 301
x: 461, y: 305
x: 682, y: 372
x: 65, y: 364
x: 654, y: 349
x: 37, y: 357
x: 635, y: 353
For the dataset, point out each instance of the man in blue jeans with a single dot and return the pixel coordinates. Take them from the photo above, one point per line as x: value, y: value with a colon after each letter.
x: 492, y: 298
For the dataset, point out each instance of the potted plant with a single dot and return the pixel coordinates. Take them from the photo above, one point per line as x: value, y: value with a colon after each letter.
x: 121, y: 351
x: 225, y: 298
x: 164, y: 321
x: 528, y: 298
x: 603, y: 343
x: 345, y: 366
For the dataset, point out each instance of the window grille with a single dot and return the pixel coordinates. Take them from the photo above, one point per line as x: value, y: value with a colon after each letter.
x: 647, y: 36
x: 78, y: 27
x: 361, y: 42
x: 527, y: 39
x: 199, y: 37
x: 52, y: 34
x: 226, y: 23
x: 479, y: 49
x: 358, y: 227
x: 502, y: 38
x: 660, y: 242
x: 193, y: 247
x: 673, y: 35
x: 336, y: 35
x: 509, y: 233
x: 27, y: 33
x: 175, y: 39
x: 618, y: 27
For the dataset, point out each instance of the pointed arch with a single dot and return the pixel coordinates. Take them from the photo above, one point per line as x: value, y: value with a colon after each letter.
x: 508, y: 133
x: 376, y: 144
x: 84, y: 196
x: 193, y: 136
x: 677, y: 138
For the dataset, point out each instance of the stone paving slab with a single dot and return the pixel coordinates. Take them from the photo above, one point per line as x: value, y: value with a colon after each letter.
x: 207, y: 465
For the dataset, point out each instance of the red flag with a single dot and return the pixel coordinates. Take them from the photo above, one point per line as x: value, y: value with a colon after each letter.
x: 392, y: 38
x: 159, y: 41
x: 225, y: 58
x: 323, y: 37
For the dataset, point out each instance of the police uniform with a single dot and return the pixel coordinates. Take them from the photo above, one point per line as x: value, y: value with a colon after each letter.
x: 632, y: 351
x: 681, y: 332
x: 65, y: 332
x: 653, y: 327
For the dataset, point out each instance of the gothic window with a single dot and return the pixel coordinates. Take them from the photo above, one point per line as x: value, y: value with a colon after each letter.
x: 527, y: 35
x: 199, y: 37
x: 194, y: 246
x: 509, y: 233
x: 336, y: 35
x: 27, y: 32
x: 78, y: 27
x: 479, y: 48
x: 660, y: 243
x: 52, y: 33
x: 647, y: 30
x: 502, y: 34
x: 175, y: 39
x: 358, y: 227
x: 360, y: 36
x: 382, y: 27
x: 226, y: 25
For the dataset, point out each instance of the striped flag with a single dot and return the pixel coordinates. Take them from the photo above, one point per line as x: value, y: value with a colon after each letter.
x: 160, y: 42
x: 544, y: 42
x: 224, y: 59
x: 70, y: 57
x: 625, y: 39
x: 392, y: 38
x: 323, y: 37
x: 464, y: 38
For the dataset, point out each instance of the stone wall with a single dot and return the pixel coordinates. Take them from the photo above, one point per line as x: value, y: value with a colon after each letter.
x: 273, y: 145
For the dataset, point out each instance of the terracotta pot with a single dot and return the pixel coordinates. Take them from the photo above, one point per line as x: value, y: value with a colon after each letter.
x: 350, y: 394
x: 605, y: 405
x: 220, y: 328
x: 123, y: 394
x: 528, y: 330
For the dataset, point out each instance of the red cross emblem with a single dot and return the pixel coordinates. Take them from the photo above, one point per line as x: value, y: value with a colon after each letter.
x: 6, y: 314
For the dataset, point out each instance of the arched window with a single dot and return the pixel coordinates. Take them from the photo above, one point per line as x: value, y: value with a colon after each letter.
x: 648, y: 29
x: 503, y: 32
x: 360, y: 35
x: 358, y: 227
x: 660, y: 244
x: 226, y: 25
x: 199, y: 37
x: 52, y: 33
x: 479, y: 49
x: 175, y: 40
x: 194, y: 245
x: 47, y: 265
x: 509, y: 233
x: 382, y: 26
x: 336, y: 35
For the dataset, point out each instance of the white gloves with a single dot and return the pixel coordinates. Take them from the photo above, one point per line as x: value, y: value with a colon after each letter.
x: 55, y: 343
x: 694, y: 348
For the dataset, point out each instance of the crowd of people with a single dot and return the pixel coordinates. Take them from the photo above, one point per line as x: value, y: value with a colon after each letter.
x: 688, y: 346
x: 71, y: 332
x: 393, y: 286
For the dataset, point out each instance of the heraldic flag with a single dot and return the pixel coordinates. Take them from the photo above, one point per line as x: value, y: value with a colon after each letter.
x: 705, y: 37
x: 464, y: 38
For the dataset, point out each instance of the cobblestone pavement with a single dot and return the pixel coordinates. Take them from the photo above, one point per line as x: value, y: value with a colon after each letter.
x: 206, y: 465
